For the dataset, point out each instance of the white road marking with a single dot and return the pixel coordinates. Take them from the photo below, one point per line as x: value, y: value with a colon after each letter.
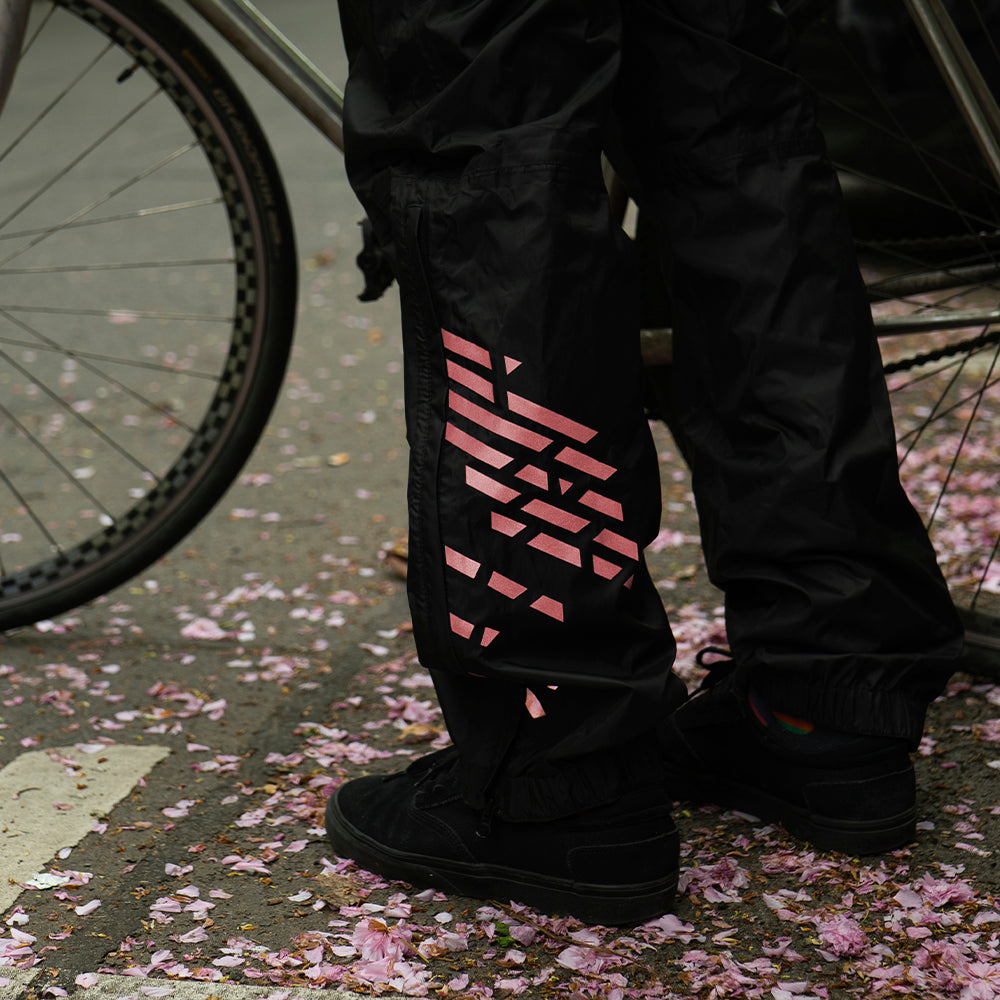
x: 33, y: 830
x: 14, y: 981
x: 136, y: 988
x: 45, y: 807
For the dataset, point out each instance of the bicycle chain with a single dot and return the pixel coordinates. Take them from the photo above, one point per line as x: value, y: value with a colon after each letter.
x: 963, y: 346
x: 924, y: 243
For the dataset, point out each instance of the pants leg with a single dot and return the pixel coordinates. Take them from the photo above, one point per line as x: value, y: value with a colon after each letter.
x: 474, y: 134
x: 833, y: 596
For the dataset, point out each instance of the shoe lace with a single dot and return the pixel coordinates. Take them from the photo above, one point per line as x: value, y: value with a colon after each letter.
x: 439, y: 767
x: 428, y: 769
x: 718, y: 669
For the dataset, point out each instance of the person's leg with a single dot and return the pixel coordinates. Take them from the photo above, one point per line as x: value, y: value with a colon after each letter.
x: 474, y: 134
x: 836, y: 611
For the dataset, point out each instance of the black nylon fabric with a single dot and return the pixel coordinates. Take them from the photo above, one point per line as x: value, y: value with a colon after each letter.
x: 833, y: 596
x: 474, y: 134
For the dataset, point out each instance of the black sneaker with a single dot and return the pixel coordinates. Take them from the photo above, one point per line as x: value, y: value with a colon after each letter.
x: 617, y: 864
x: 855, y: 794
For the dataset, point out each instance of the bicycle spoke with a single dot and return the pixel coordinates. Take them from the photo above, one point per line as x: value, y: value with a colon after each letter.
x: 30, y: 41
x: 150, y: 366
x: 970, y: 218
x: 40, y: 447
x: 56, y: 101
x: 939, y: 415
x: 929, y: 161
x: 81, y: 418
x: 981, y: 582
x: 141, y: 213
x: 29, y: 510
x: 131, y: 313
x: 138, y: 265
x: 77, y: 160
x: 987, y: 34
x: 961, y: 444
x: 914, y: 434
x: 86, y: 210
x: 932, y: 165
x: 107, y: 377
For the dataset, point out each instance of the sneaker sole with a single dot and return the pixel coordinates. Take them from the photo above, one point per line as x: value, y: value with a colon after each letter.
x: 608, y: 905
x: 829, y: 833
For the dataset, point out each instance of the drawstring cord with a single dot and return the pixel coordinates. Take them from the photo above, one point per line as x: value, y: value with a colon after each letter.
x: 717, y: 669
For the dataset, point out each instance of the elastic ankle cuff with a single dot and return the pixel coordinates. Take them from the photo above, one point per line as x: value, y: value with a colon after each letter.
x: 844, y: 708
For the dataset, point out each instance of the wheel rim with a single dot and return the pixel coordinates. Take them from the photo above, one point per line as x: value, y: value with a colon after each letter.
x: 126, y: 328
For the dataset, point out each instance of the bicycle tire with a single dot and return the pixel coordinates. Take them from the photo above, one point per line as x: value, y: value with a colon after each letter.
x: 173, y: 418
x: 925, y: 212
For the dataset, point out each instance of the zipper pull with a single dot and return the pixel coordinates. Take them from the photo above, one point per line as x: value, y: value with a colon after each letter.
x: 485, y: 825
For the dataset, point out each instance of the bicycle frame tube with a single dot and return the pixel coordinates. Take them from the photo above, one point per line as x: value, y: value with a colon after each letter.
x: 277, y: 59
x: 13, y: 24
x: 976, y: 103
x: 244, y: 27
x: 309, y: 90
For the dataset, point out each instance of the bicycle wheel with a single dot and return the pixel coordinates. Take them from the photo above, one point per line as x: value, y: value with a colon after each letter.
x: 147, y: 298
x: 926, y: 216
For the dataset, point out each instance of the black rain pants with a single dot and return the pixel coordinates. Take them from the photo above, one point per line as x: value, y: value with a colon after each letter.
x: 474, y: 132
